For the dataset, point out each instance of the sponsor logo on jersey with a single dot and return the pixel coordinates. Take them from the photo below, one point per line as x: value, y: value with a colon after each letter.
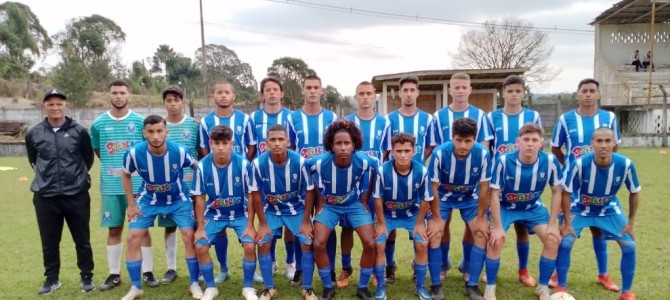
x: 159, y: 188
x: 263, y: 147
x: 457, y: 188
x: 310, y: 152
x: 579, y: 151
x: 114, y: 171
x: 593, y: 200
x: 335, y: 200
x: 277, y: 198
x: 114, y: 147
x: 398, y: 205
x: 506, y: 148
x: 522, y: 197
x: 225, y: 202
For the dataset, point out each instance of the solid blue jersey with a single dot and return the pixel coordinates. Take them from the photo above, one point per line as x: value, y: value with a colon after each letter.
x: 374, y: 134
x: 402, y: 194
x: 574, y: 131
x: 521, y: 185
x: 306, y: 132
x: 239, y: 122
x: 282, y: 187
x: 341, y: 186
x: 261, y: 121
x: 446, y: 116
x: 226, y: 187
x: 419, y: 125
x: 594, y: 189
x: 459, y: 178
x: 162, y: 176
x: 506, y: 127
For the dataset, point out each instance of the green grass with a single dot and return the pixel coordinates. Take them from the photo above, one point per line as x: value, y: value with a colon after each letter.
x: 22, y: 271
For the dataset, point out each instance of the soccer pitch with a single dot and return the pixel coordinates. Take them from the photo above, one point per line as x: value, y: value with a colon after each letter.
x: 22, y: 270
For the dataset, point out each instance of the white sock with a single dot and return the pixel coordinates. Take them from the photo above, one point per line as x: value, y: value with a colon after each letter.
x: 147, y: 259
x: 114, y: 258
x: 171, y: 251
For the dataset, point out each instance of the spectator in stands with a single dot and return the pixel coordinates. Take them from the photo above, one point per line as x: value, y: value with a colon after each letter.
x: 635, y: 60
x: 646, y: 61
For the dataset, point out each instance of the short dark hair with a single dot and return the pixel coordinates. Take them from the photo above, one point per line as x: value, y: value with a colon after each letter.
x: 222, y: 82
x: 119, y: 82
x: 531, y: 128
x: 401, y: 138
x: 277, y: 127
x: 513, y: 79
x: 311, y: 77
x: 173, y: 90
x: 587, y: 81
x: 408, y: 79
x: 344, y: 126
x: 362, y: 83
x: 221, y: 133
x: 464, y: 127
x: 271, y: 79
x: 605, y: 129
x: 154, y: 119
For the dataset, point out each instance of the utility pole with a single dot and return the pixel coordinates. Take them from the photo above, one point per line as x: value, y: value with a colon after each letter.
x: 204, y: 55
x: 664, y: 118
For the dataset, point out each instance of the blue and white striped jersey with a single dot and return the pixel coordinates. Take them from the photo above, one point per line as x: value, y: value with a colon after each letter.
x: 374, y: 134
x: 419, y: 125
x: 239, y: 122
x: 446, y: 116
x: 226, y: 187
x: 574, y: 131
x: 306, y: 132
x: 341, y: 186
x: 505, y: 128
x: 459, y: 178
x: 261, y: 121
x: 402, y: 195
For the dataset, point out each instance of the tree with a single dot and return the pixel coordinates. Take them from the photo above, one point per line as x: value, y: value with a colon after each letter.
x: 512, y: 43
x: 72, y: 77
x: 223, y: 63
x: 334, y: 99
x: 291, y: 72
x: 20, y: 31
x: 161, y: 57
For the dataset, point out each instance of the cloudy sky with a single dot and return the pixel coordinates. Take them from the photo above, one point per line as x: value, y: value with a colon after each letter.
x: 343, y: 47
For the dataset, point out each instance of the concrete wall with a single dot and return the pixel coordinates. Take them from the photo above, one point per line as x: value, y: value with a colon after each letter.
x: 617, y: 42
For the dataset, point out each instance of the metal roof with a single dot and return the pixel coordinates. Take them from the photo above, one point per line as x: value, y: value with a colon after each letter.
x: 429, y: 79
x: 633, y: 12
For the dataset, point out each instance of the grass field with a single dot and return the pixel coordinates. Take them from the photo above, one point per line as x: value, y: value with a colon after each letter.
x: 22, y: 271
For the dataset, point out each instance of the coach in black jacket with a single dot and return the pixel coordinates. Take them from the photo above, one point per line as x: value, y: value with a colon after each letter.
x: 60, y: 152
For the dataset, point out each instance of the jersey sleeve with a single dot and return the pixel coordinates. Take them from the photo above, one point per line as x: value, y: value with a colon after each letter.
x: 198, y: 187
x: 95, y: 136
x: 379, y: 184
x: 129, y: 161
x: 426, y: 189
x: 386, y: 143
x: 615, y: 128
x: 249, y: 136
x: 246, y: 174
x: 484, y: 130
x: 572, y: 181
x: 254, y: 176
x: 306, y: 183
x: 188, y: 159
x: 434, y: 166
x: 560, y: 133
x: 431, y: 138
x: 437, y: 128
x: 631, y: 180
x: 498, y: 173
x: 555, y: 171
x: 537, y: 119
x: 204, y: 134
x: 290, y: 127
x: 486, y: 166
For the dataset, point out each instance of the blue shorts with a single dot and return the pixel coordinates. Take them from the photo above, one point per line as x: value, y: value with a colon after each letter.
x: 610, y: 225
x: 529, y: 218
x: 355, y: 213
x: 214, y: 227
x: 467, y: 213
x: 276, y: 224
x: 181, y: 212
x: 395, y: 223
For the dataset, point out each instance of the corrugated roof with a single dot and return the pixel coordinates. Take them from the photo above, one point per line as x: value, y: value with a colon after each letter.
x: 481, y: 78
x: 633, y: 12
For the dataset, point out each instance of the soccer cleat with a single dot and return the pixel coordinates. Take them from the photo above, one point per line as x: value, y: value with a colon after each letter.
x: 133, y: 293
x: 223, y: 276
x: 328, y: 294
x: 169, y: 276
x: 112, y: 281
x: 390, y: 273
x: 86, y: 283
x: 423, y: 294
x: 297, y: 279
x: 490, y: 292
x: 436, y: 292
x: 268, y: 294
x: 627, y: 296
x: 275, y: 267
x: 50, y: 285
x: 364, y: 293
x: 249, y: 293
x: 196, y: 291
x: 525, y: 278
x: 380, y: 294
x: 607, y: 282
x: 343, y: 279
x: 149, y: 279
x: 473, y: 292
x: 258, y: 278
x: 543, y: 293
x: 290, y: 271
x: 308, y: 294
x: 553, y: 281
x: 210, y: 293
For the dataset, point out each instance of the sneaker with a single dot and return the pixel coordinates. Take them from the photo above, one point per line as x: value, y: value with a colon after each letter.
x: 543, y: 293
x: 308, y: 294
x: 50, y: 285
x: 195, y: 290
x: 328, y: 294
x: 112, y: 281
x: 223, y: 276
x: 149, y: 279
x: 249, y: 293
x: 380, y: 294
x: 275, y: 267
x: 607, y: 282
x: 290, y: 271
x: 169, y: 276
x: 133, y: 293
x: 268, y: 294
x: 297, y: 279
x: 258, y: 278
x: 553, y: 281
x: 390, y: 273
x: 423, y: 294
x: 86, y: 283
x: 525, y: 278
x: 343, y: 279
x: 364, y: 293
x: 436, y: 292
x: 490, y: 292
x: 473, y: 292
x: 210, y: 293
x: 627, y: 296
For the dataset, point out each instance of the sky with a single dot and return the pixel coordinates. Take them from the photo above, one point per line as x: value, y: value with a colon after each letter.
x: 343, y: 47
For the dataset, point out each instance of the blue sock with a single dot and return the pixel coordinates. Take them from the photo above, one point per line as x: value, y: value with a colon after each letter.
x: 421, y: 270
x: 290, y: 251
x: 265, y: 260
x: 307, y: 267
x: 477, y: 256
x: 221, y: 249
x: 563, y: 259
x: 193, y: 269
x: 298, y: 257
x: 435, y: 264
x: 522, y: 250
x: 331, y: 248
x: 346, y: 261
x: 135, y: 272
x: 207, y: 271
x: 467, y: 249
x: 390, y: 253
x: 600, y: 249
x: 364, y: 279
x: 273, y: 248
x: 547, y: 267
x: 379, y: 274
x: 248, y: 269
x: 445, y: 254
x: 492, y: 267
x: 325, y: 278
x: 627, y: 266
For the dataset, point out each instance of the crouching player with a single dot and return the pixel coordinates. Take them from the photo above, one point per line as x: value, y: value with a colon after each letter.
x: 519, y: 178
x: 402, y: 192
x: 590, y: 196
x: 222, y: 176
x: 283, y: 195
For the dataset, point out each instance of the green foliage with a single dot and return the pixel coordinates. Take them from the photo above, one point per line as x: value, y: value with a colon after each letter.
x: 291, y: 72
x: 20, y: 31
x: 334, y: 99
x: 72, y: 77
x: 223, y: 63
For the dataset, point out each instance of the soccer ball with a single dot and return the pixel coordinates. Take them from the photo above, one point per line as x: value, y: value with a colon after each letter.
x: 562, y: 296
